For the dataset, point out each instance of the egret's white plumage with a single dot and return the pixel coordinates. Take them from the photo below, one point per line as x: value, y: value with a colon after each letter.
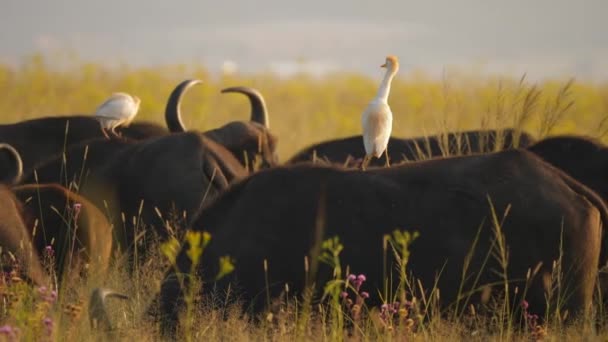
x: 119, y: 110
x: 377, y: 119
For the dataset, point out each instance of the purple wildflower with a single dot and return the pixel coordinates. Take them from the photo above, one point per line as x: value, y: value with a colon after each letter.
x: 344, y: 294
x: 524, y: 304
x: 77, y: 207
x: 9, y: 332
x: 52, y: 297
x: 48, y: 323
x: 48, y: 250
x: 364, y: 295
x: 6, y: 329
x: 361, y: 278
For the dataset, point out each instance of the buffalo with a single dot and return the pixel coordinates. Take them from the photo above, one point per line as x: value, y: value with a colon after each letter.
x: 75, y: 230
x: 350, y: 151
x: 38, y: 139
x: 477, y: 204
x: 55, y: 218
x: 16, y: 245
x: 245, y: 139
x: 15, y: 241
x: 78, y: 163
x: 172, y: 175
x: 162, y: 179
x: 237, y: 137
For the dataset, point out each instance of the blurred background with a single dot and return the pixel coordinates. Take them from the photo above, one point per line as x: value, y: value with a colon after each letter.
x: 317, y: 62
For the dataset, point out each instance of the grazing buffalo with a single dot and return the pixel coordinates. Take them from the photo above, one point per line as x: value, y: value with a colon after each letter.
x: 247, y: 140
x: 76, y: 230
x: 350, y: 151
x: 509, y: 203
x: 15, y: 241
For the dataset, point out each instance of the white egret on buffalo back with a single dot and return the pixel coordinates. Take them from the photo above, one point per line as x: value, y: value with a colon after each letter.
x: 119, y: 110
x: 377, y: 119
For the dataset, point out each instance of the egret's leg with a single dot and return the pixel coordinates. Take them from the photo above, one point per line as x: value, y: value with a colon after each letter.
x: 364, y: 163
x: 388, y: 164
x: 113, y: 131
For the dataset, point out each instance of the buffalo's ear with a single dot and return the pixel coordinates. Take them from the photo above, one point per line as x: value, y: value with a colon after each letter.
x: 11, y: 166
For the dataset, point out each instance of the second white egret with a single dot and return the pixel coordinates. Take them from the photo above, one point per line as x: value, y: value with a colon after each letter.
x: 377, y: 119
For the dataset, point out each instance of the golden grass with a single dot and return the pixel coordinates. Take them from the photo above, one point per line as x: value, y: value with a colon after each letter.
x: 303, y: 110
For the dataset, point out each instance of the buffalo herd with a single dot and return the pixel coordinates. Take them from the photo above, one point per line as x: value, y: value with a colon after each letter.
x: 490, y: 206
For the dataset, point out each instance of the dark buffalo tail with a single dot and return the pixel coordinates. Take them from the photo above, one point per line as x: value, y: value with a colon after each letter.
x: 595, y: 200
x: 584, y: 257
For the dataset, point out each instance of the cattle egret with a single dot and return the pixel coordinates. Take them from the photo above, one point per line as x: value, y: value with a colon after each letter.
x: 119, y: 110
x: 377, y: 119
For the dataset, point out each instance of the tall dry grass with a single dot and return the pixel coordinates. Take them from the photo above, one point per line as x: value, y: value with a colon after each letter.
x: 303, y: 110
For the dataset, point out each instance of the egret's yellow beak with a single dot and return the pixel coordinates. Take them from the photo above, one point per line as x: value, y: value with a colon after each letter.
x: 383, y: 65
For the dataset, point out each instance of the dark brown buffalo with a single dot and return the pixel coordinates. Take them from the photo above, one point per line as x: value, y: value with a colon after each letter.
x: 172, y: 175
x: 76, y: 230
x: 17, y: 252
x: 272, y: 216
x: 15, y: 241
x: 78, y: 163
x: 247, y: 140
x: 38, y: 139
x: 350, y: 151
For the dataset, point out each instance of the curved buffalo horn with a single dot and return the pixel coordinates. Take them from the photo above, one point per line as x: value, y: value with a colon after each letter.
x: 173, y: 117
x: 11, y: 165
x: 98, y: 313
x: 259, y: 113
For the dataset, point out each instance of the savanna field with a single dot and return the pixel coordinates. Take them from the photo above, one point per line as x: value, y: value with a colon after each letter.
x: 303, y: 110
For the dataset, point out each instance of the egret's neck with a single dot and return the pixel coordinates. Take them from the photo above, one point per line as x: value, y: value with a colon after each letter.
x: 385, y: 85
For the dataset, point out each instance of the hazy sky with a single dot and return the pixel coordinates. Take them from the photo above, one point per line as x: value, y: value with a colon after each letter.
x: 545, y: 38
